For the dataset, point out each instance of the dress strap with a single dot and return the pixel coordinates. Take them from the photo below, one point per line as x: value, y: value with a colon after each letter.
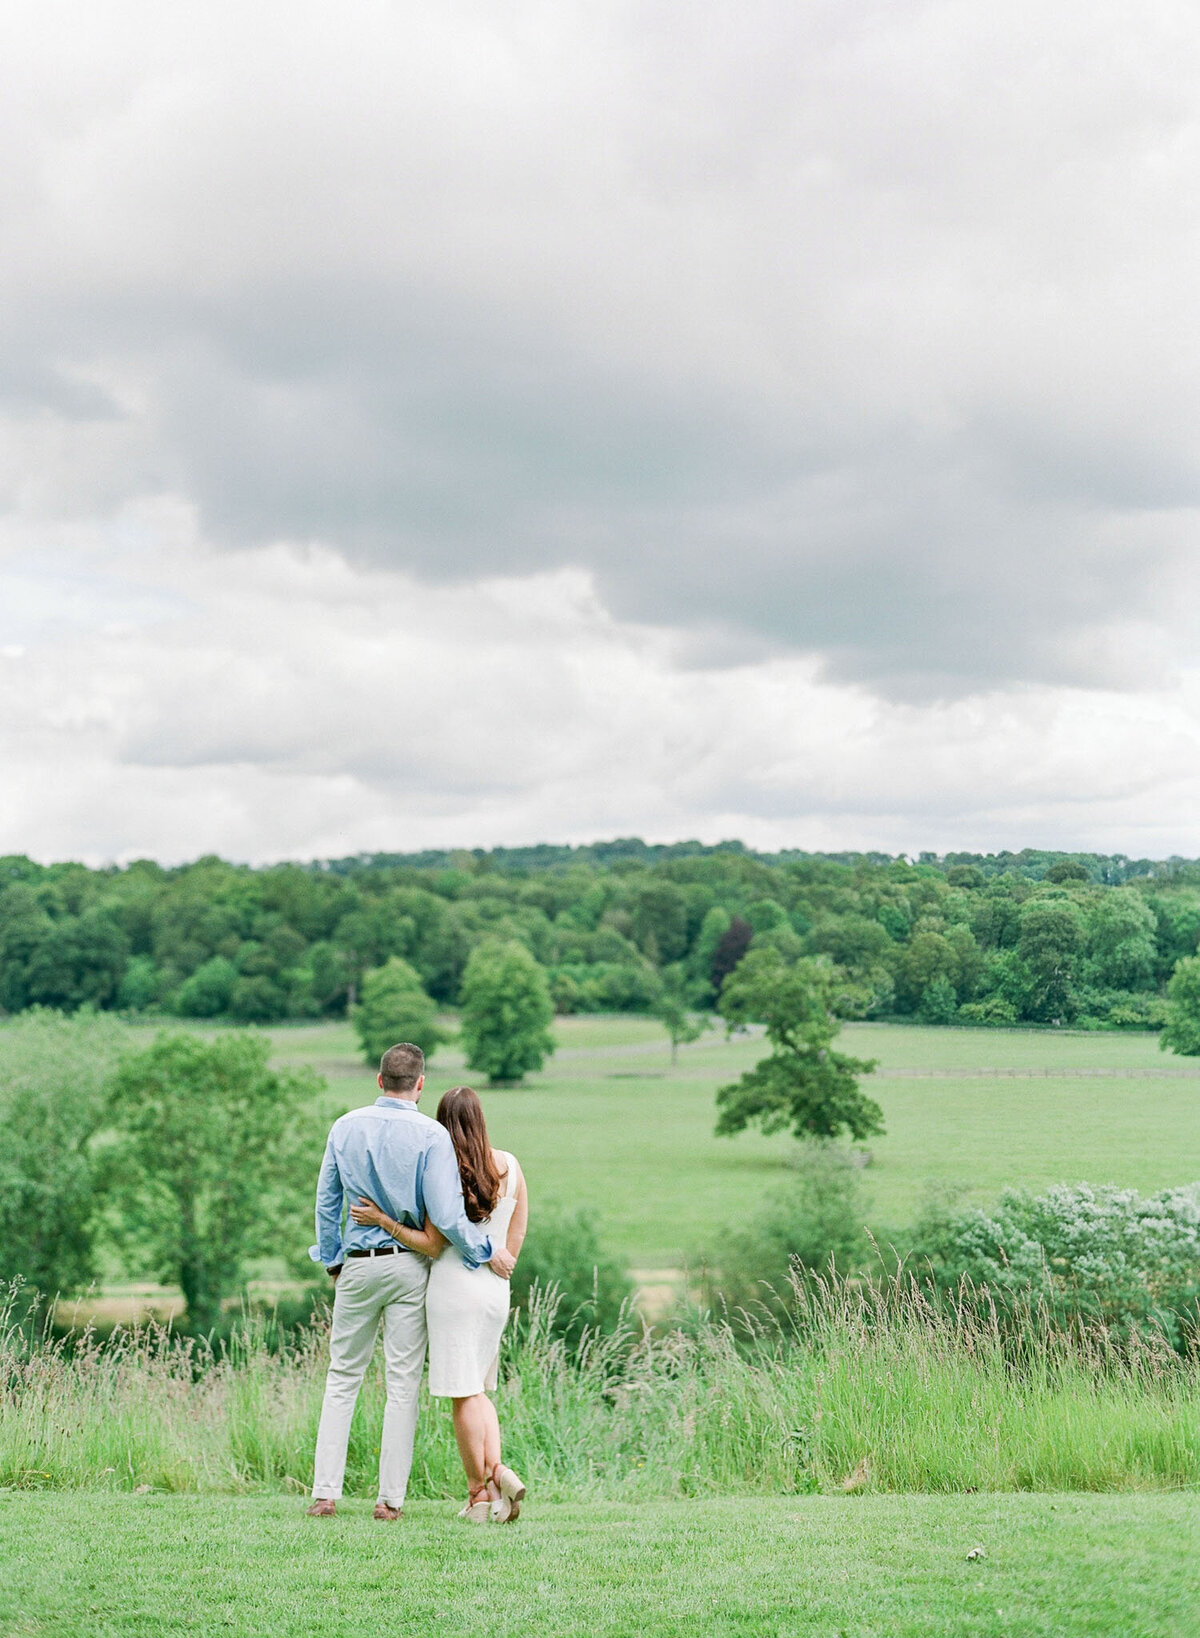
x: 512, y: 1173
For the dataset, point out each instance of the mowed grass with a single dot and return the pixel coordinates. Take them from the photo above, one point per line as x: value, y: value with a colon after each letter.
x: 878, y: 1567
x: 610, y: 1124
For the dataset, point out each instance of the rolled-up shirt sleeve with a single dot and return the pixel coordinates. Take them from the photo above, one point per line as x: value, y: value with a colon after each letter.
x: 442, y: 1188
x: 330, y: 1197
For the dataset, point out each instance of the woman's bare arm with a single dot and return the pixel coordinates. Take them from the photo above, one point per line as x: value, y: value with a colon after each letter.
x: 520, y: 1219
x: 429, y: 1241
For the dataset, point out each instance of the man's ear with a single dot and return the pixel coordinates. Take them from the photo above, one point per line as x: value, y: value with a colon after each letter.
x: 379, y: 1082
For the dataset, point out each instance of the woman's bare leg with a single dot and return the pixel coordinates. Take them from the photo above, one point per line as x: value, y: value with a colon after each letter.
x: 491, y: 1441
x: 477, y: 1431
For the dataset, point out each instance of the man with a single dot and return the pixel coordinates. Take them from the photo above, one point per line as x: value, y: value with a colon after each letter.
x: 405, y: 1162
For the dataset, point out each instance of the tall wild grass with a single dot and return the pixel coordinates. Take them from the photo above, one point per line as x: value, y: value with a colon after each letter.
x: 873, y: 1388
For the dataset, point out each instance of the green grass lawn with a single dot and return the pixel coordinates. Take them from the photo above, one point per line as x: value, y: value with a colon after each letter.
x: 854, y: 1567
x: 612, y: 1124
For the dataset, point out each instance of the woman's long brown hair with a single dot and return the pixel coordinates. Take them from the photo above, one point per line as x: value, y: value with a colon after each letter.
x: 461, y: 1113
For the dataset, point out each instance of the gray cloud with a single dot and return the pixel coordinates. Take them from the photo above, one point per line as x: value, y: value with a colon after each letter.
x: 869, y: 334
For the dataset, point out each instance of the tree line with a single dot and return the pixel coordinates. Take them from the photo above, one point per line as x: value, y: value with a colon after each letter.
x: 1031, y: 937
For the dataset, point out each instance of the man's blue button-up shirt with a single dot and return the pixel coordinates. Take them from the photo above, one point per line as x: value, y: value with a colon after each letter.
x: 406, y: 1164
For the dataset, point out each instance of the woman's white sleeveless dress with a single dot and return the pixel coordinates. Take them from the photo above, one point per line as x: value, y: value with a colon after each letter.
x: 466, y: 1309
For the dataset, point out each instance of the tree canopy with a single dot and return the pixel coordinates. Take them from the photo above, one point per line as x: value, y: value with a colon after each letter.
x: 803, y: 1084
x: 213, y: 1161
x: 395, y: 1007
x: 52, y: 1077
x: 506, y: 1012
x: 1037, y: 937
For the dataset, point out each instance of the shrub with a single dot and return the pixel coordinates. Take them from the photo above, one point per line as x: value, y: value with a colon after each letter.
x: 994, y: 1010
x: 1133, y: 1011
x: 563, y: 1254
x: 813, y: 1223
x: 1084, y: 1252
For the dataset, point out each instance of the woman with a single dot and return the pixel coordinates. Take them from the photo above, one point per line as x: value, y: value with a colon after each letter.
x: 466, y: 1309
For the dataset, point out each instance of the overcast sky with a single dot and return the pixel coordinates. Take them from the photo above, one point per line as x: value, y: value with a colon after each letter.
x: 471, y: 424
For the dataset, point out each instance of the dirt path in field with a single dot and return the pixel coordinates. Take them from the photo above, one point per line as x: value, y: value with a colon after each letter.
x: 1058, y: 1073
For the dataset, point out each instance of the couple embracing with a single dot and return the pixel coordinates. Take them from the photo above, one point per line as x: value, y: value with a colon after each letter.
x: 436, y: 1221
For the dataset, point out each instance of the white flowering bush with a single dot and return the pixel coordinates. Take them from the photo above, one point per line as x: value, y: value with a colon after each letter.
x: 1079, y: 1250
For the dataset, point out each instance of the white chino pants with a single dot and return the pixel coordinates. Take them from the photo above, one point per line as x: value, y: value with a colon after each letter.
x: 367, y: 1289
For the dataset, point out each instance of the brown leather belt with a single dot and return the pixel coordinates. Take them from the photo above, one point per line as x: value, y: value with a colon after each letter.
x: 375, y: 1251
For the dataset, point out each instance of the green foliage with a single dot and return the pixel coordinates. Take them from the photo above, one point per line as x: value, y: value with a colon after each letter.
x: 1067, y: 870
x: 939, y: 1003
x: 506, y: 1012
x: 605, y: 986
x: 563, y: 1256
x: 140, y: 986
x: 1049, y: 947
x: 395, y: 1007
x: 803, y: 1084
x: 1182, y: 1030
x: 672, y: 1008
x: 814, y: 1223
x: 1121, y: 949
x: 730, y: 950
x: 79, y: 962
x: 52, y: 1073
x: 994, y: 1010
x: 212, y: 1163
x: 206, y: 993
x: 1098, y: 1254
x: 1052, y: 938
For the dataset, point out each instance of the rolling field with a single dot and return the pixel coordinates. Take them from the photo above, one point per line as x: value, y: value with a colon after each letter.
x: 611, y: 1124
x: 600, y: 1549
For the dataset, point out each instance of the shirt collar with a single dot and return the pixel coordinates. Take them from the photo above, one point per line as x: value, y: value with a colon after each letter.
x: 394, y: 1103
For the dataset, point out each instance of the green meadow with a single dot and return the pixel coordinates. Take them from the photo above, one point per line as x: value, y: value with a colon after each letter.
x: 888, y: 1476
x: 610, y: 1123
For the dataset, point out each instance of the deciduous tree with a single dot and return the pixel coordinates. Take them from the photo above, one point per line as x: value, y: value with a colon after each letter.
x: 1182, y: 1030
x: 395, y: 1007
x: 506, y: 1011
x: 672, y: 1009
x: 214, y: 1161
x: 52, y: 1075
x: 803, y: 1084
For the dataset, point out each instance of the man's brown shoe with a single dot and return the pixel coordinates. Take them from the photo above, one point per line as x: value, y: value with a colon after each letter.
x: 386, y: 1514
x: 323, y: 1508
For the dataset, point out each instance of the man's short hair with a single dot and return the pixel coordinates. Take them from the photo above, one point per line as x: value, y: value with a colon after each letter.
x: 402, y: 1067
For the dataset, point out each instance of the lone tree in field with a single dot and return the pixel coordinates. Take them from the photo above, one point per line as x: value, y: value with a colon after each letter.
x: 1181, y: 1032
x: 681, y: 1022
x: 802, y: 1084
x: 395, y: 1007
x: 213, y: 1163
x: 506, y: 1011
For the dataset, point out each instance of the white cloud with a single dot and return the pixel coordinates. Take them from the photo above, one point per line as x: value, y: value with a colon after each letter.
x: 778, y: 421
x: 864, y: 331
x: 280, y: 702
